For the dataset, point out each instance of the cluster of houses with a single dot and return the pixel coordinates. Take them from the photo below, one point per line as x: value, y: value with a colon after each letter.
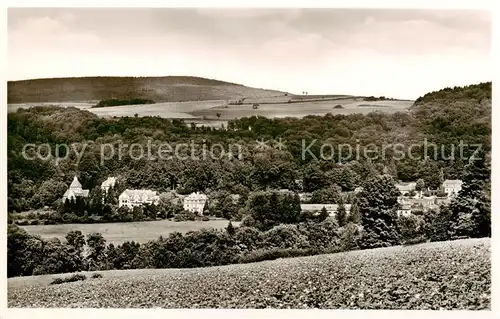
x: 196, y: 202
x: 131, y: 198
x: 412, y: 200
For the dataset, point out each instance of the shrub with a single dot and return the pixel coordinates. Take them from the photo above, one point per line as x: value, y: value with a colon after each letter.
x: 437, y: 224
x: 285, y: 236
x: 462, y: 227
x: 96, y: 275
x: 321, y: 236
x: 57, y: 281
x: 350, y: 236
x: 417, y: 240
x: 309, y: 216
x: 441, y: 194
x: 184, y: 216
x: 410, y: 228
x: 248, y: 238
x: 75, y: 277
x: 248, y: 221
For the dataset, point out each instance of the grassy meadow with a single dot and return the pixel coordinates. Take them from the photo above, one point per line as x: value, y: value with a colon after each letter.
x: 118, y: 233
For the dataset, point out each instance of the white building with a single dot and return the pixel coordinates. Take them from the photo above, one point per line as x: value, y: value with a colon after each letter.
x: 75, y: 190
x: 137, y: 197
x: 107, y: 184
x: 404, y: 210
x: 195, y: 202
x: 305, y: 197
x: 330, y: 208
x: 452, y: 187
x: 406, y: 187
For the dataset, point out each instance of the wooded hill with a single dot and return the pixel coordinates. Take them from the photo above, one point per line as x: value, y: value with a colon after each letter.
x: 158, y: 89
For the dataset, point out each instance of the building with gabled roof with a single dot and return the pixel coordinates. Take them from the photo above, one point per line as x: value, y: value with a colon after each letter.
x: 74, y: 191
x: 138, y: 197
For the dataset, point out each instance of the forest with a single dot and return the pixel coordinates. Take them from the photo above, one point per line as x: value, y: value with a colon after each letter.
x: 445, y: 118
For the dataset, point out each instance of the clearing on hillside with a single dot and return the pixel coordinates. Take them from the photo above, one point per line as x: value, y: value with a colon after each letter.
x: 118, y: 233
x: 441, y: 275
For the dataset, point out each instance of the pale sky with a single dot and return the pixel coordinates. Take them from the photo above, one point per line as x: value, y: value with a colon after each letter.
x: 396, y: 53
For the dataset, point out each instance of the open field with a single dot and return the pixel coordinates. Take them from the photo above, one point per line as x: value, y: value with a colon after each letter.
x: 350, y: 106
x: 205, y: 112
x: 169, y: 110
x: 294, y: 98
x: 441, y: 275
x: 118, y: 233
x: 203, y: 98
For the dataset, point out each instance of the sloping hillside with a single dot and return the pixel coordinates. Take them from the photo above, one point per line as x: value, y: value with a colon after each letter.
x: 158, y: 89
x: 440, y: 275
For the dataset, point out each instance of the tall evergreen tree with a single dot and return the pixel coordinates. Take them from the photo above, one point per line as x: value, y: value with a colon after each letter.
x: 354, y: 214
x: 378, y: 205
x: 293, y: 214
x: 473, y: 202
x: 341, y: 215
x: 96, y: 201
x: 323, y: 215
x: 230, y: 229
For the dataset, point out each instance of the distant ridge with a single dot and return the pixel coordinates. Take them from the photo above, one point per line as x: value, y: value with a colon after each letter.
x: 158, y: 89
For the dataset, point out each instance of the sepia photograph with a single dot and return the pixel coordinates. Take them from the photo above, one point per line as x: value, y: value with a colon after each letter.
x: 249, y: 158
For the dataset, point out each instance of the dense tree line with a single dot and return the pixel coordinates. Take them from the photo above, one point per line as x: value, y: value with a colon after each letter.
x: 117, y: 102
